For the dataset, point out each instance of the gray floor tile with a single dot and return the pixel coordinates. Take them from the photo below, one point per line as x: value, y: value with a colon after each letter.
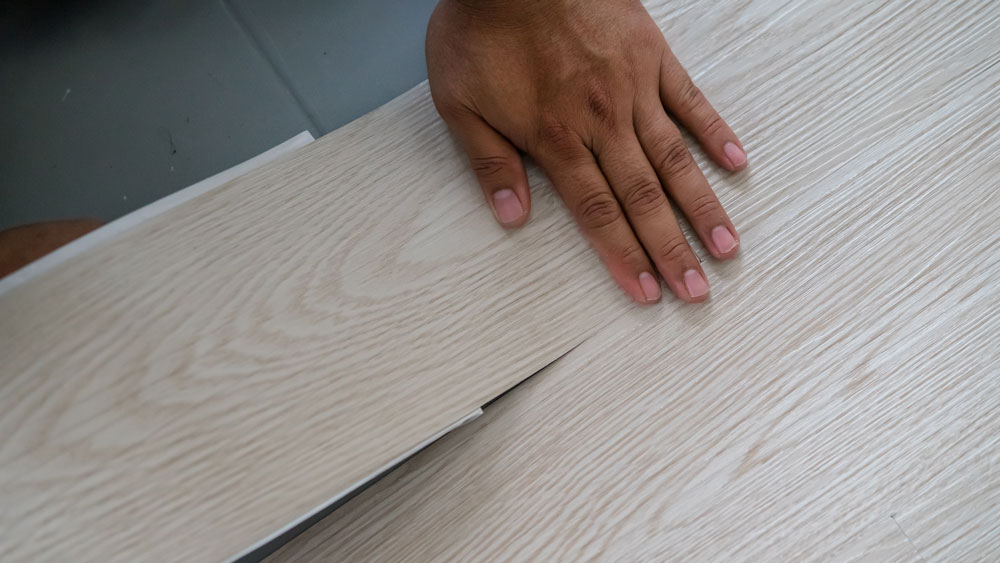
x: 343, y: 58
x: 107, y: 106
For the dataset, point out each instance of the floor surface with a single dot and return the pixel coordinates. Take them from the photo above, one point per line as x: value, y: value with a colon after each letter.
x: 108, y: 106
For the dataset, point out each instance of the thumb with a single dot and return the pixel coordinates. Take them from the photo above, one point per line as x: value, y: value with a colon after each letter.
x: 498, y: 168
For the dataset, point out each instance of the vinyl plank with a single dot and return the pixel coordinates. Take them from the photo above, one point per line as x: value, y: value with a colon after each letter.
x: 960, y: 521
x: 219, y: 370
x: 879, y: 542
x: 846, y: 371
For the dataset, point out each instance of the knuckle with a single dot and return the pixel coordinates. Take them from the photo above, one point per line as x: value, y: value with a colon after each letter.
x: 491, y: 167
x: 556, y: 135
x: 649, y: 34
x: 674, y: 157
x: 703, y: 206
x: 643, y: 196
x: 689, y: 96
x: 633, y: 256
x: 600, y: 102
x: 448, y: 106
x: 598, y: 209
x: 647, y: 121
x: 675, y: 250
x: 713, y: 125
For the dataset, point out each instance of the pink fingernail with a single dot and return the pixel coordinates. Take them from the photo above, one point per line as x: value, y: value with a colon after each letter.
x: 735, y: 155
x: 508, y: 208
x: 696, y: 284
x: 723, y: 240
x: 650, y: 287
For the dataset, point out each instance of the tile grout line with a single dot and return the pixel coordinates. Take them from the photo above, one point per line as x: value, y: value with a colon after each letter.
x: 240, y: 20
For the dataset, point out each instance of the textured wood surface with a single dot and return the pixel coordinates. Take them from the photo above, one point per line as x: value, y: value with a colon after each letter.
x: 839, y: 399
x: 194, y: 384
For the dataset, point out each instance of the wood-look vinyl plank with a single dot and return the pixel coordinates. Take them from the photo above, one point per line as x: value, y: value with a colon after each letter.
x: 843, y: 383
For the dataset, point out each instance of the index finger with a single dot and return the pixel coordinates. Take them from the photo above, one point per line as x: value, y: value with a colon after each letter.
x: 690, y: 106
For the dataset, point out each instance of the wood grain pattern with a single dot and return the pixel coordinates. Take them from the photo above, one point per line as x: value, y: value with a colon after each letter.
x: 195, y: 383
x: 879, y: 542
x: 960, y: 520
x: 843, y: 383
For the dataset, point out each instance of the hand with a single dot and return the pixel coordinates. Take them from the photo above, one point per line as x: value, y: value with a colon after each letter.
x: 19, y: 246
x: 583, y: 86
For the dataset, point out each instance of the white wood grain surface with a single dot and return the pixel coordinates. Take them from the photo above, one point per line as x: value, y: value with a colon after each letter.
x: 122, y: 224
x: 838, y: 400
x: 195, y: 383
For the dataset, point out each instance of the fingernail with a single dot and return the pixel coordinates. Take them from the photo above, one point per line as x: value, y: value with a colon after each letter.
x: 696, y: 284
x: 723, y: 240
x: 650, y: 287
x: 735, y: 155
x: 508, y: 208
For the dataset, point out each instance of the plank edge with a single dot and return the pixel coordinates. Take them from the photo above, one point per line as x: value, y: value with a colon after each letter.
x: 122, y: 224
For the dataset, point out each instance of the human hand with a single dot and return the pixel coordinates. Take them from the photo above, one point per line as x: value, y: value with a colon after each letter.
x: 20, y: 246
x: 583, y: 87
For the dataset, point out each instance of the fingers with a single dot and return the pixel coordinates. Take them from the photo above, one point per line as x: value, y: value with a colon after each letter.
x: 579, y: 181
x: 498, y: 168
x: 685, y: 101
x: 645, y: 204
x: 665, y: 149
